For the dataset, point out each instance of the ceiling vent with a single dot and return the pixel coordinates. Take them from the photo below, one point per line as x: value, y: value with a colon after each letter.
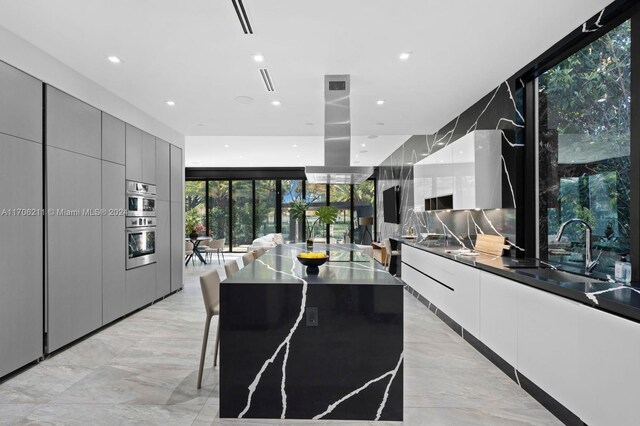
x: 242, y: 16
x: 266, y: 78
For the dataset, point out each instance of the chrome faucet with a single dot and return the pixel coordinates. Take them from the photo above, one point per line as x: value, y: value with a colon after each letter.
x: 589, y: 264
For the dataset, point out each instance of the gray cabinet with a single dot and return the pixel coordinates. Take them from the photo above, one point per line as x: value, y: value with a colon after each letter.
x: 148, y: 158
x: 20, y: 104
x: 141, y: 286
x: 72, y: 124
x: 113, y: 139
x: 177, y: 175
x: 177, y: 245
x: 162, y: 170
x: 133, y: 153
x: 21, y: 253
x: 74, y: 246
x: 113, y: 241
x: 163, y: 249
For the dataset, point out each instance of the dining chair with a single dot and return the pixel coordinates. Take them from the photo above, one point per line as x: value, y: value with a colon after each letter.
x: 247, y: 259
x: 231, y: 267
x: 203, y: 247
x: 210, y: 286
x: 390, y: 254
x: 188, y: 252
x: 217, y: 246
x: 259, y: 252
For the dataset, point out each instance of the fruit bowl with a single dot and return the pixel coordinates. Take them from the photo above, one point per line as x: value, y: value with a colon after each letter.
x: 312, y: 263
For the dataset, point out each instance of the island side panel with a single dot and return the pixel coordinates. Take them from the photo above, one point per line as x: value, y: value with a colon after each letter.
x: 358, y: 339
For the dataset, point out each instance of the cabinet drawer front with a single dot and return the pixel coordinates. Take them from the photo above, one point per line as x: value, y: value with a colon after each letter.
x: 433, y: 265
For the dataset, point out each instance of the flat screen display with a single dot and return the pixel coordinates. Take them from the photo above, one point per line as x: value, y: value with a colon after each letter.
x: 391, y: 202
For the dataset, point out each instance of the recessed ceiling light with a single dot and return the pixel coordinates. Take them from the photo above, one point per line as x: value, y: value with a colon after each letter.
x: 379, y: 124
x: 170, y: 103
x: 404, y: 56
x: 357, y: 156
x: 372, y: 136
x: 226, y: 146
x: 244, y: 99
x: 275, y: 103
x: 380, y: 101
x: 297, y: 156
x: 294, y: 145
x: 258, y: 58
x: 363, y: 145
x: 114, y: 59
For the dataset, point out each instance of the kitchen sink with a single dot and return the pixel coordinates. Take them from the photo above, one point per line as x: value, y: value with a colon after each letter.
x: 556, y: 275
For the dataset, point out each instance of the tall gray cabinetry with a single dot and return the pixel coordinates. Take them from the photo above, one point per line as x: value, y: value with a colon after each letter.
x: 74, y: 170
x: 177, y: 221
x: 21, y: 252
x: 113, y: 222
x: 163, y: 233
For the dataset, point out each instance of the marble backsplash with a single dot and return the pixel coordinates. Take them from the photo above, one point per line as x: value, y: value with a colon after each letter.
x: 501, y: 109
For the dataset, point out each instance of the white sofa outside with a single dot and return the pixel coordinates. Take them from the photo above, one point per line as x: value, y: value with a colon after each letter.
x: 268, y: 241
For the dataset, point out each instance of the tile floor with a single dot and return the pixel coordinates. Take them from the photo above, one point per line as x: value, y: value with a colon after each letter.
x: 143, y: 370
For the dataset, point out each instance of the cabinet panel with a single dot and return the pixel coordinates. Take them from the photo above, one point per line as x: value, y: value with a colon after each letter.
x: 177, y: 175
x: 465, y: 305
x: 148, y: 158
x: 177, y: 245
x: 21, y: 254
x: 163, y: 170
x: 113, y: 139
x: 498, y: 315
x: 113, y: 242
x: 133, y: 137
x: 74, y: 246
x: 141, y: 286
x: 548, y: 349
x: 609, y: 353
x: 72, y: 124
x: 464, y: 174
x: 163, y: 249
x: 20, y: 104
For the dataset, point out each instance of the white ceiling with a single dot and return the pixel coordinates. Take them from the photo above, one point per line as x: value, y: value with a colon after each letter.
x: 194, y: 52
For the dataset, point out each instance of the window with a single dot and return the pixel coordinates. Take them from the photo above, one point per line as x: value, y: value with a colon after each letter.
x: 584, y: 147
x: 219, y: 210
x: 316, y: 197
x: 363, y: 205
x: 265, y: 207
x: 242, y: 214
x: 291, y: 191
x: 194, y: 204
x: 340, y: 198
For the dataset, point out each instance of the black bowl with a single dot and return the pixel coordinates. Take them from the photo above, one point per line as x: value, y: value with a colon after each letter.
x: 313, y: 263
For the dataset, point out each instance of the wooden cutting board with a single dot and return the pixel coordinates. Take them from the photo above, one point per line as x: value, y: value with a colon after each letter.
x: 491, y: 244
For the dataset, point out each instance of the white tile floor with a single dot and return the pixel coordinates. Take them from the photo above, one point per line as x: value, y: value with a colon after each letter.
x: 143, y: 370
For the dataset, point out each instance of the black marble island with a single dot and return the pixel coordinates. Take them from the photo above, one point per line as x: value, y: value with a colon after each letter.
x: 299, y: 346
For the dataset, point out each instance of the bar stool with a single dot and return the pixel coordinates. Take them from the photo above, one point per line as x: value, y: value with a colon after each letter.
x: 248, y: 259
x: 210, y: 286
x: 390, y: 254
x: 231, y: 267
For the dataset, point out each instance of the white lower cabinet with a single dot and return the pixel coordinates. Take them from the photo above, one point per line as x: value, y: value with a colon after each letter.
x: 499, y: 315
x: 609, y: 359
x: 548, y: 344
x: 465, y: 303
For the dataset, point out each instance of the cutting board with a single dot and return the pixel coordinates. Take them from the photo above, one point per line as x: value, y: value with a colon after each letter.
x: 491, y: 244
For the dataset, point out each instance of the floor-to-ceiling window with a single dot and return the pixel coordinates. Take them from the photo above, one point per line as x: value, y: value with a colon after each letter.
x: 363, y: 214
x: 291, y: 191
x: 241, y: 214
x: 219, y: 210
x: 340, y: 198
x: 584, y: 151
x: 316, y: 195
x: 265, y: 207
x: 241, y: 210
x: 194, y: 205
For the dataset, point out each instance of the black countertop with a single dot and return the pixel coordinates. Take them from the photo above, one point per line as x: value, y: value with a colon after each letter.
x: 622, y: 300
x: 346, y: 265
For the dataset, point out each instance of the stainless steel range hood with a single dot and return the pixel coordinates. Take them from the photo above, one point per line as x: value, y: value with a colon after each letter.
x: 337, y: 167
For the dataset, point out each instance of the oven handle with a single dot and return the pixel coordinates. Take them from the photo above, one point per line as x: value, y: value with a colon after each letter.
x: 141, y: 229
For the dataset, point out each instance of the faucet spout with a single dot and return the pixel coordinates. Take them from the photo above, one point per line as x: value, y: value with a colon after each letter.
x: 589, y: 264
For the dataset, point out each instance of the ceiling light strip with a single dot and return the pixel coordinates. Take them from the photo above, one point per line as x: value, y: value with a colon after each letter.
x: 242, y: 16
x: 266, y: 78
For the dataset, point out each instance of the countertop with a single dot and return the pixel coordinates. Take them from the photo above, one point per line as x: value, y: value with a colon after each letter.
x: 346, y: 265
x: 622, y: 300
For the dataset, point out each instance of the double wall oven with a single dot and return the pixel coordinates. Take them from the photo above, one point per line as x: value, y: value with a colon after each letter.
x: 140, y: 224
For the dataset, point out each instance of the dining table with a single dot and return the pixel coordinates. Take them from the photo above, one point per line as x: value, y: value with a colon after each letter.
x: 196, y: 252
